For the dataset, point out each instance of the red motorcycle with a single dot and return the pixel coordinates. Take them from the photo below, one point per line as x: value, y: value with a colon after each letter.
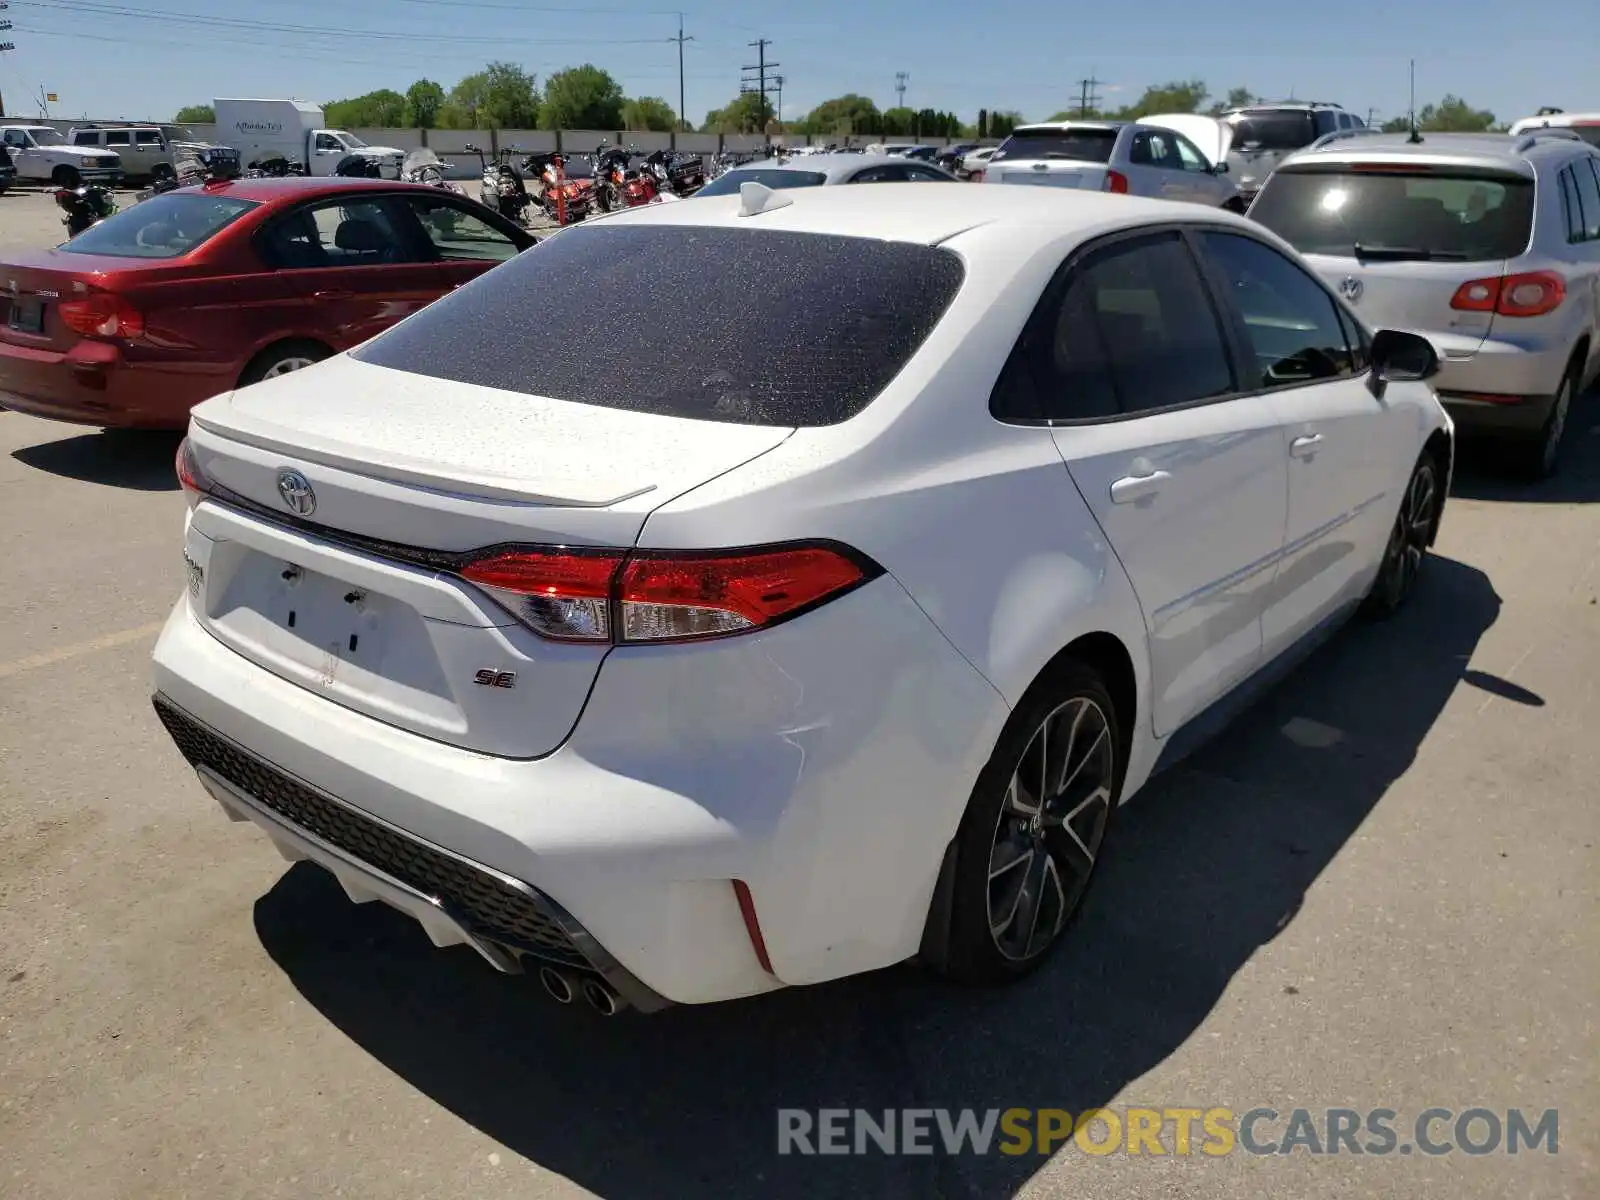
x: 566, y: 188
x: 619, y: 184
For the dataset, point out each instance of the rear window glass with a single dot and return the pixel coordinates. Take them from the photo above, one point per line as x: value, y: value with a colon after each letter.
x: 1081, y: 145
x: 1444, y: 216
x: 744, y: 326
x: 1288, y: 130
x: 160, y: 227
x: 774, y: 178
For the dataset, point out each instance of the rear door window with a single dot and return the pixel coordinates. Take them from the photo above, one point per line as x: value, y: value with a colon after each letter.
x: 1130, y: 328
x: 1588, y: 198
x: 119, y: 137
x: 1379, y: 211
x: 752, y: 327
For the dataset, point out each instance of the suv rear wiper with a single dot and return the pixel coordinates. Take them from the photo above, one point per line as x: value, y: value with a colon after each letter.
x: 1405, y: 253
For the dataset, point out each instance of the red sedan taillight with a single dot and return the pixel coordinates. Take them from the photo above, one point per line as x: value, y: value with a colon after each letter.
x: 575, y: 595
x: 1116, y: 182
x: 102, y: 314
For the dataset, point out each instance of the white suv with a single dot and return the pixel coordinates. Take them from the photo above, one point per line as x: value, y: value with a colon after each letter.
x: 1489, y: 244
x: 768, y: 674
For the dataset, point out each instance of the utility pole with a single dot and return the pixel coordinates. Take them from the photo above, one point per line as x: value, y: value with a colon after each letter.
x: 777, y: 82
x: 5, y: 44
x: 683, y: 118
x: 901, y: 78
x: 1088, y: 97
x: 759, y: 84
x: 1371, y: 112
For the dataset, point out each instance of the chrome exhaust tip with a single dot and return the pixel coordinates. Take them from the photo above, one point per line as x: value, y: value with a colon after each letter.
x: 602, y: 998
x: 558, y: 985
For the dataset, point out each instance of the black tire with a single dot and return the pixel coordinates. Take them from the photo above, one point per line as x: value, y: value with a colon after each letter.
x: 999, y: 850
x: 276, y: 360
x: 66, y: 177
x: 1416, y: 520
x: 1539, y: 457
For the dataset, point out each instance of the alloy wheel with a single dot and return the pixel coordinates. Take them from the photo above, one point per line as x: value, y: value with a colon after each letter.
x: 1050, y: 828
x: 1550, y: 448
x: 1408, y: 539
x: 285, y: 365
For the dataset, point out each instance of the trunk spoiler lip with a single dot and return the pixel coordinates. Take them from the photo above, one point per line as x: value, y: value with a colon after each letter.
x: 402, y: 468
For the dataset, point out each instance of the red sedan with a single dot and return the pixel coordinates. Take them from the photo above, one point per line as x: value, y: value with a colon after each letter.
x: 204, y: 289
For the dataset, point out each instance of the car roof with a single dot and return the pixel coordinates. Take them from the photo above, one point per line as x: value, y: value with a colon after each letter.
x: 1515, y: 151
x: 827, y: 164
x: 296, y: 187
x: 912, y: 212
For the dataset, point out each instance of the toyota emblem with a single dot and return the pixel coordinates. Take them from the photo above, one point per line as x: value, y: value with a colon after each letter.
x: 296, y: 491
x: 1350, y: 288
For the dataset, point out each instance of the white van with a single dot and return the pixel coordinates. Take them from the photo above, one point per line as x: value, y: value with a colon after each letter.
x: 1585, y: 124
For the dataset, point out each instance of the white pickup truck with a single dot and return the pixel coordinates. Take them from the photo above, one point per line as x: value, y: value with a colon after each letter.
x: 43, y: 155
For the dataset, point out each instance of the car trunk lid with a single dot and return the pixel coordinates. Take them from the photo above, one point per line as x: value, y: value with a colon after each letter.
x: 361, y: 599
x: 1049, y: 173
x: 1411, y: 295
x: 33, y: 286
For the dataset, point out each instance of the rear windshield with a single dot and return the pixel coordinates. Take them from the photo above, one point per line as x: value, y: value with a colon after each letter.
x: 1443, y: 216
x: 1081, y: 145
x: 774, y: 178
x: 1288, y: 130
x: 160, y: 227
x: 745, y: 326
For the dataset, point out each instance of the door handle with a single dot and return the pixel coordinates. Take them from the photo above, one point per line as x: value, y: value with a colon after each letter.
x: 1306, y: 446
x: 1132, y: 488
x: 333, y: 294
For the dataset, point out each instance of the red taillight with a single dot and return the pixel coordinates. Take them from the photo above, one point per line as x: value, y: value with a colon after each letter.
x: 1117, y: 182
x: 1528, y: 295
x: 561, y: 594
x: 196, y: 484
x: 571, y: 595
x: 102, y: 314
x: 976, y: 177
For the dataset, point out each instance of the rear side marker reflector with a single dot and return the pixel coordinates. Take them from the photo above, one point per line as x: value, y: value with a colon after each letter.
x: 752, y: 925
x: 654, y: 596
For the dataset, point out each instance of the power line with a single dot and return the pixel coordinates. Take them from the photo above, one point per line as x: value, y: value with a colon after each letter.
x: 759, y: 85
x: 1088, y: 97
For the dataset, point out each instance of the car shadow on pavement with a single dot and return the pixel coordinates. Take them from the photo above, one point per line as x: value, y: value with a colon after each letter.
x: 1211, y: 862
x: 140, y: 460
x: 1480, y: 472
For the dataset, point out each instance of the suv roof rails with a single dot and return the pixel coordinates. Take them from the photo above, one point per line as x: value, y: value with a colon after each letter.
x: 1551, y: 134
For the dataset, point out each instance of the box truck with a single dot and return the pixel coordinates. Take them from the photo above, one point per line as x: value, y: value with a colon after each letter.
x: 295, y: 130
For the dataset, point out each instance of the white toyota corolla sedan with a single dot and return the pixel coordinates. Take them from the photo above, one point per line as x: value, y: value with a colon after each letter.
x: 751, y: 592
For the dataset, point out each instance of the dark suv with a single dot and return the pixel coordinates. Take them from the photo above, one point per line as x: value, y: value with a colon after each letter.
x: 1264, y: 134
x: 8, y: 170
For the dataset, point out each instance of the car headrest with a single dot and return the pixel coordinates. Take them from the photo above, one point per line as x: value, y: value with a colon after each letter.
x: 360, y: 237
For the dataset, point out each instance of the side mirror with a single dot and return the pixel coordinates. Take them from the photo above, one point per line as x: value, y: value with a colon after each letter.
x: 1398, y: 356
x: 1220, y: 168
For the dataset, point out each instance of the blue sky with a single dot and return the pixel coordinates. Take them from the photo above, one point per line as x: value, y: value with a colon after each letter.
x: 143, y: 58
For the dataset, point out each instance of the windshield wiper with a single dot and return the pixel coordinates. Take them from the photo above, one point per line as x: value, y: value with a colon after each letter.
x: 1407, y: 254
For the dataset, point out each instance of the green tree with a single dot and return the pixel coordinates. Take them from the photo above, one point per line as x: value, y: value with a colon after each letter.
x: 384, y: 108
x: 424, y: 99
x: 748, y: 112
x: 195, y: 114
x: 1237, y: 98
x: 650, y: 113
x: 845, y: 114
x: 897, y: 122
x: 1450, y: 115
x: 581, y: 98
x: 983, y: 122
x: 501, y: 96
x: 1002, y: 123
x: 1177, y: 96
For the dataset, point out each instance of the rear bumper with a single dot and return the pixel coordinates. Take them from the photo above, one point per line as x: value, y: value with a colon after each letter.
x: 1497, y: 365
x: 1520, y: 415
x: 93, y: 384
x: 824, y: 765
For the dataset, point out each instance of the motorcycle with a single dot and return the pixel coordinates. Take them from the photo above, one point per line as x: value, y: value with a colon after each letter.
x: 196, y: 165
x: 618, y: 183
x: 503, y: 188
x: 274, y: 166
x: 425, y: 167
x: 85, y: 205
x: 557, y: 177
x: 358, y: 166
x: 680, y: 174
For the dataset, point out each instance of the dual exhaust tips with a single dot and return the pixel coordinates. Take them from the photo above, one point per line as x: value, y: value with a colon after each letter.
x: 566, y: 986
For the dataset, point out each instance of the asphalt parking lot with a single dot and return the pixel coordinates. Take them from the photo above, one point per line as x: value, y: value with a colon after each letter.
x: 1377, y: 889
